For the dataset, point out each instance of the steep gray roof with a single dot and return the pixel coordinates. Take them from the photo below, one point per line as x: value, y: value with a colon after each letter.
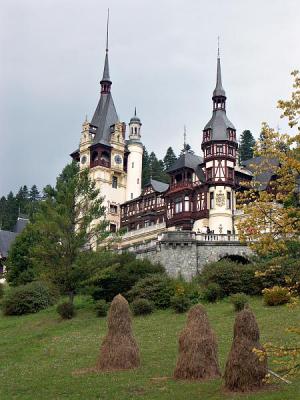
x: 106, y: 76
x: 6, y: 239
x: 263, y: 167
x: 20, y: 225
x: 159, y: 186
x: 105, y: 115
x: 219, y: 123
x: 219, y: 91
x: 189, y: 160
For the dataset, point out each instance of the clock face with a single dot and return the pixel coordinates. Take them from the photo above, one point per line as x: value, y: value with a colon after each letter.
x: 118, y: 159
x: 83, y: 159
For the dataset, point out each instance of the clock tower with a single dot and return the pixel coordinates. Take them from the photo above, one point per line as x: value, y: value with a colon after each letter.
x: 102, y: 150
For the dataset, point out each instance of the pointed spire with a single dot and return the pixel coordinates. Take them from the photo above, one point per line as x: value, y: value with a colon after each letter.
x: 105, y: 81
x: 219, y: 91
x: 135, y: 111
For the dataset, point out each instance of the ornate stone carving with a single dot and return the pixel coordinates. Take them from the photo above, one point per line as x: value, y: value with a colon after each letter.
x: 220, y: 199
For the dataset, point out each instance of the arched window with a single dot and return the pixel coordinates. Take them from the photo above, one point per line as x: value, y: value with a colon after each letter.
x: 104, y: 156
x: 95, y: 156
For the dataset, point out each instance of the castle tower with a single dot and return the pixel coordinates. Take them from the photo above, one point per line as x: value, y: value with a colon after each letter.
x: 102, y: 150
x: 219, y: 146
x: 135, y: 159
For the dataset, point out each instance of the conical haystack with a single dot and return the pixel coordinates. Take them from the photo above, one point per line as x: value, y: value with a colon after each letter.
x: 244, y: 371
x: 119, y: 349
x: 198, y: 350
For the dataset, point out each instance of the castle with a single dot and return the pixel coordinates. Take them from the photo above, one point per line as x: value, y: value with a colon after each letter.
x: 201, y: 196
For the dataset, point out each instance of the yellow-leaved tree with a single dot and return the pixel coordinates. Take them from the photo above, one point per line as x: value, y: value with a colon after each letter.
x: 271, y: 206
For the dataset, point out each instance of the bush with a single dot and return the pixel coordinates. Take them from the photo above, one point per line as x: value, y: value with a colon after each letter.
x: 121, y: 276
x: 239, y: 301
x: 180, y: 304
x: 231, y: 277
x: 276, y: 296
x: 66, y: 310
x: 142, y: 307
x: 212, y: 293
x: 101, y: 308
x: 26, y: 299
x: 157, y: 288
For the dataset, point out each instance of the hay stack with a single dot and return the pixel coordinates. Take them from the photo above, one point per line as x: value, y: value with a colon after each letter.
x: 198, y: 350
x: 244, y: 371
x: 119, y: 349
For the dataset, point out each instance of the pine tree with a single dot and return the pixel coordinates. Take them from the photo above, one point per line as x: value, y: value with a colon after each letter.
x: 2, y: 210
x: 68, y: 221
x: 34, y: 194
x: 247, y: 143
x: 11, y: 213
x: 169, y: 158
x: 146, y: 173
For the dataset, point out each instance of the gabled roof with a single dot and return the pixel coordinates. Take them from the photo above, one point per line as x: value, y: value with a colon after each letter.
x: 6, y: 239
x: 263, y: 176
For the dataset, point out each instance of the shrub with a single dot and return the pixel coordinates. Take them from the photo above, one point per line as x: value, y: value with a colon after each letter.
x: 180, y: 304
x: 276, y: 296
x: 121, y: 277
x: 157, y: 288
x: 231, y: 277
x: 239, y: 301
x: 66, y: 310
x: 212, y: 293
x: 142, y: 307
x: 101, y: 308
x: 27, y: 299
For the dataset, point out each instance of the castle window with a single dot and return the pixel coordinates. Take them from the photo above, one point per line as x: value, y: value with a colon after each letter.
x: 228, y: 200
x: 114, y: 183
x: 230, y: 173
x: 211, y: 200
x: 113, y: 228
x: 186, y: 203
x: 230, y: 151
x: 95, y: 156
x: 178, y: 205
x: 135, y: 130
x: 219, y: 149
x: 209, y: 173
x: 132, y: 165
x: 113, y: 209
x: 208, y: 151
x: 131, y: 196
x: 138, y: 180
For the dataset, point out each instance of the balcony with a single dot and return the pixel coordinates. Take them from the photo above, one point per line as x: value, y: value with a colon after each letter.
x: 183, y: 185
x: 101, y: 163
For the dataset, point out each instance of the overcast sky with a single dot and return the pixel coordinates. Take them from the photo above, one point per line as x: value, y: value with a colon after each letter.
x: 162, y: 60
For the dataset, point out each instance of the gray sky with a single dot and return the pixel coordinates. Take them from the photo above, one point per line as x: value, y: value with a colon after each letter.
x: 162, y: 60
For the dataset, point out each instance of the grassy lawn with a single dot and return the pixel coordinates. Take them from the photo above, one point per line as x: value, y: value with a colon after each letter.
x: 39, y: 354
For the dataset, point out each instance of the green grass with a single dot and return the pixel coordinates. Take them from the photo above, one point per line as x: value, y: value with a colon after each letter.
x: 39, y: 353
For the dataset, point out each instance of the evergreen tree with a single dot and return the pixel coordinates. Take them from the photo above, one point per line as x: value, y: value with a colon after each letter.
x: 247, y: 143
x: 34, y: 194
x: 68, y: 220
x: 22, y: 199
x: 146, y: 173
x: 2, y: 210
x: 169, y: 158
x: 11, y: 213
